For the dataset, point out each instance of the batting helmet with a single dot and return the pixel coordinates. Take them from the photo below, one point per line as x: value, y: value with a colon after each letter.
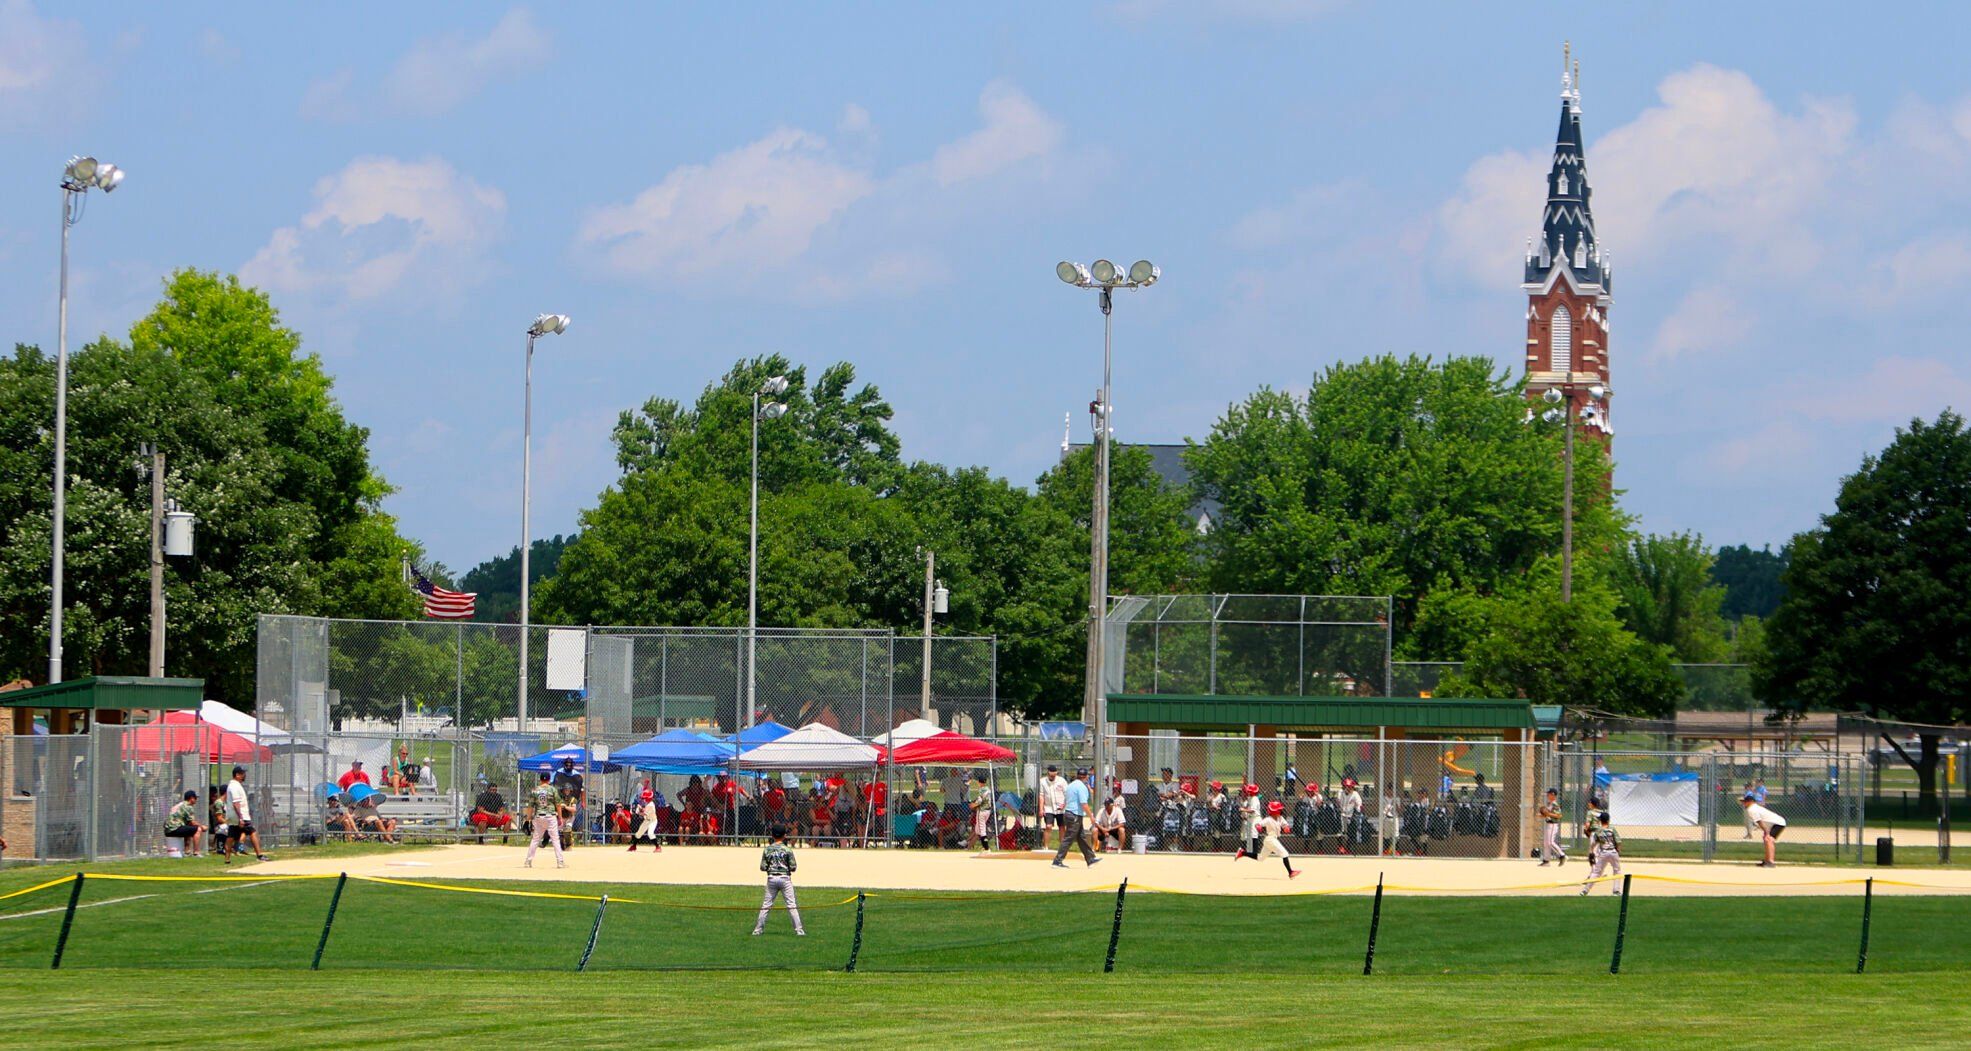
x: 1252, y: 789
x: 1275, y: 807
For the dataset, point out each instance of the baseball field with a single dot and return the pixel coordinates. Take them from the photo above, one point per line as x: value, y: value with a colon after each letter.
x: 459, y: 945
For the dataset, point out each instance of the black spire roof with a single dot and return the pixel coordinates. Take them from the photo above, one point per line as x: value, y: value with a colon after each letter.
x: 1567, y: 236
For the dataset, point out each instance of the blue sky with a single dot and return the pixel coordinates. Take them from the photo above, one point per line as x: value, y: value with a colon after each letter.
x: 1782, y: 189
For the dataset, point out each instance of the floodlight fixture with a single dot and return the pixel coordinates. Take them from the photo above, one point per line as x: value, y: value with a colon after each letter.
x: 1073, y: 273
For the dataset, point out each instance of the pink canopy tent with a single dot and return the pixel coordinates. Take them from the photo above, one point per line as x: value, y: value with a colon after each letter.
x: 920, y: 742
x: 184, y: 733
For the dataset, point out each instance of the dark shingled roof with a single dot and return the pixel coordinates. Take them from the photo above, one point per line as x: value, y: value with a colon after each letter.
x: 1169, y: 463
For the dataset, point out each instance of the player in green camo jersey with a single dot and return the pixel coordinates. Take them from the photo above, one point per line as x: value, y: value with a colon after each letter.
x: 1605, y: 850
x: 547, y: 823
x: 777, y: 861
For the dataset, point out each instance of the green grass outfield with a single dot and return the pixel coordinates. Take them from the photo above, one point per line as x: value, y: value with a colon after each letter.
x: 1246, y: 1009
x: 180, y: 963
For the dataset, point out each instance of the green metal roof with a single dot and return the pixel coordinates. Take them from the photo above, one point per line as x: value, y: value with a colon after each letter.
x: 109, y: 693
x: 1347, y: 713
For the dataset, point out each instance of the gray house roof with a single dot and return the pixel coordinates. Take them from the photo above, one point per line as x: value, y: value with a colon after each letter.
x: 1169, y: 463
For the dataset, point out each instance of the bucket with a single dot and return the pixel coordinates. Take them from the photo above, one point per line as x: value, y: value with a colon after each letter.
x: 1140, y: 843
x: 173, y: 849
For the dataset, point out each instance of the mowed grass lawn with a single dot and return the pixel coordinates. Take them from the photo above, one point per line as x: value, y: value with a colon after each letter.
x: 182, y: 964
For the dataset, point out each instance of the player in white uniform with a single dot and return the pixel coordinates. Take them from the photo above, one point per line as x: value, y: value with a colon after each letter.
x: 1269, y: 829
x: 1248, y: 823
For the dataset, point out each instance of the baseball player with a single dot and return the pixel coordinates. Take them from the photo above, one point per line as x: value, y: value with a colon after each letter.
x: 1249, y: 823
x: 777, y: 861
x: 1269, y: 829
x: 1605, y: 851
x: 1550, y: 817
x: 547, y: 823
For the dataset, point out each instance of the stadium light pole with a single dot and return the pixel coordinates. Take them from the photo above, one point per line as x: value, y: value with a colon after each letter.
x: 80, y: 176
x: 773, y: 410
x: 1105, y: 277
x: 544, y: 325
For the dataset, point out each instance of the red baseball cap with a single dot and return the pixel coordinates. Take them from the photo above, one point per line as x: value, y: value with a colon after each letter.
x: 1275, y: 807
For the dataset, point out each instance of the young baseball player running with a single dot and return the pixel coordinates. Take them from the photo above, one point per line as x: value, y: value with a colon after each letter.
x: 1269, y: 829
x: 1249, y: 823
x: 777, y: 861
x: 1605, y: 850
x: 1550, y: 817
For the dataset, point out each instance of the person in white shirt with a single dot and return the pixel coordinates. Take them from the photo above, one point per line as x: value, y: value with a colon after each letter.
x: 1351, y: 811
x: 1268, y: 829
x: 1053, y: 801
x: 1248, y: 823
x: 1111, y: 822
x: 426, y: 776
x: 1766, y: 821
x: 239, y: 818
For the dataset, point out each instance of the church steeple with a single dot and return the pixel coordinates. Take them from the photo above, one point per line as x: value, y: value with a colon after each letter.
x: 1567, y: 276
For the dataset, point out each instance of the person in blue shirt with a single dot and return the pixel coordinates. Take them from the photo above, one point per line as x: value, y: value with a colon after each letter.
x: 1075, y: 816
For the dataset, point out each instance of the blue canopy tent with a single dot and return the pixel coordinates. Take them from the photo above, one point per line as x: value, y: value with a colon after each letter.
x: 759, y: 734
x: 551, y: 761
x: 678, y: 752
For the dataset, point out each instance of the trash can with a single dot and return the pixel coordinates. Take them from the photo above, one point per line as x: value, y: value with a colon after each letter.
x: 1885, y: 851
x: 1140, y: 843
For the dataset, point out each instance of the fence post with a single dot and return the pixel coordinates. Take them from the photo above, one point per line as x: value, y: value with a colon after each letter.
x: 855, y: 946
x: 1868, y: 906
x: 334, y: 900
x: 1115, y: 929
x: 68, y: 920
x: 594, y: 933
x: 1621, y: 928
x: 1375, y: 921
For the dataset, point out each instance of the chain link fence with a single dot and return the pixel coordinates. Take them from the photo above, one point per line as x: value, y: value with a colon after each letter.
x: 1280, y: 645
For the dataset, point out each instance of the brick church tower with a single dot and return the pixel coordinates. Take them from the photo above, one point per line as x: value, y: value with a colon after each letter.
x: 1567, y: 280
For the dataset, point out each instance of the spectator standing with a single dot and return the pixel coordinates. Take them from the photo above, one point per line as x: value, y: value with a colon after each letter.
x: 952, y: 789
x: 1074, y: 814
x: 1482, y: 792
x: 183, y: 823
x: 545, y: 813
x: 489, y: 810
x: 1053, y: 804
x: 239, y: 817
x: 1351, y: 812
x: 355, y: 775
x: 981, y: 812
x: 1770, y: 824
x: 777, y: 861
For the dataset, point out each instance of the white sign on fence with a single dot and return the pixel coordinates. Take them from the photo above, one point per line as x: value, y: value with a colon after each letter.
x: 567, y: 659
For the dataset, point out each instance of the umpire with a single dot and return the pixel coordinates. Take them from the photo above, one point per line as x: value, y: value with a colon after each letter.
x: 1075, y: 816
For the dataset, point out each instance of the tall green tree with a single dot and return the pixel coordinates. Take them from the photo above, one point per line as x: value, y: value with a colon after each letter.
x: 1875, y: 617
x: 256, y: 448
x: 1664, y: 594
x: 1393, y: 476
x: 497, y: 580
x: 1751, y: 579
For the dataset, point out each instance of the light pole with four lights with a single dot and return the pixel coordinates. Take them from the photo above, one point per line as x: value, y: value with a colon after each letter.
x: 1105, y: 277
x: 544, y: 325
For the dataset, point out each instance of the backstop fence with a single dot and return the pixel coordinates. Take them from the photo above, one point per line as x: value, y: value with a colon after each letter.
x: 1280, y: 645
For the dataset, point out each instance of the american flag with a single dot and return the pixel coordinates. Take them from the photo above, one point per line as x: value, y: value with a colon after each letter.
x: 440, y: 603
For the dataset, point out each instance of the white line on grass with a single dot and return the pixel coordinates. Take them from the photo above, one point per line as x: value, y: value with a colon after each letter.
x: 133, y: 897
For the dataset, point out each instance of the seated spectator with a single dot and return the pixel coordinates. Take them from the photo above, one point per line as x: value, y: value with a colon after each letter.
x: 404, y: 776
x: 1111, y: 824
x: 355, y: 775
x: 373, y: 823
x: 183, y: 823
x: 336, y: 819
x: 489, y: 810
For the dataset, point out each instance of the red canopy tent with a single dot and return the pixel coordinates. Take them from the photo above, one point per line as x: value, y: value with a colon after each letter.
x: 921, y: 743
x: 184, y: 733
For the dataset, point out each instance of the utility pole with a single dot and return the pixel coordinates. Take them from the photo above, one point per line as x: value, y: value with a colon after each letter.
x: 157, y: 560
x: 930, y: 598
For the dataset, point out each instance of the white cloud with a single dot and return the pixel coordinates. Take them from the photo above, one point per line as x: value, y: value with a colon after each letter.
x: 1313, y: 214
x: 436, y: 75
x: 382, y: 224
x: 1924, y: 270
x: 1778, y: 447
x: 1708, y: 321
x: 1015, y: 130
x: 744, y: 219
x: 41, y: 65
x: 750, y: 210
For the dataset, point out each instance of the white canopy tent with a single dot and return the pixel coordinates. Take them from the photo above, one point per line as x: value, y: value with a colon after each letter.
x: 812, y: 747
x: 232, y: 720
